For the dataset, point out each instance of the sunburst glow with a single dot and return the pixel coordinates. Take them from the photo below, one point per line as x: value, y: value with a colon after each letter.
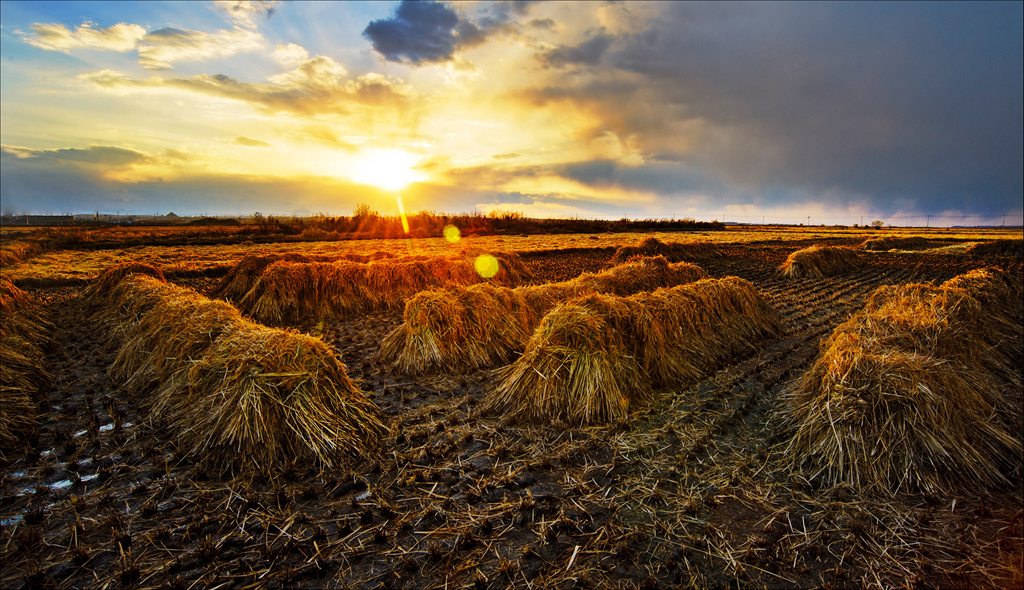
x: 390, y: 169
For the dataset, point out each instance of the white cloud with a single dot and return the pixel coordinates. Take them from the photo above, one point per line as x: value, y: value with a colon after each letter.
x: 290, y: 55
x: 163, y: 47
x: 55, y: 37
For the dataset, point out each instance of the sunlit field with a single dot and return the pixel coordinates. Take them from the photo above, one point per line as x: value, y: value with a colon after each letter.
x: 784, y: 407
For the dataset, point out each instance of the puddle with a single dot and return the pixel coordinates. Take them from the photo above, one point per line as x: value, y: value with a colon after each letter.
x: 12, y: 520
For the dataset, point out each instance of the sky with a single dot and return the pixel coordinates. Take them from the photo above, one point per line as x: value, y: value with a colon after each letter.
x: 834, y: 113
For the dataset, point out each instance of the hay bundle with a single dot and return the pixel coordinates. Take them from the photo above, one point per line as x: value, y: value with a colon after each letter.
x: 162, y: 328
x: 108, y: 279
x: 233, y: 393
x: 261, y: 397
x: 674, y: 251
x: 819, y: 262
x: 592, y: 358
x: 24, y: 379
x: 482, y: 325
x: 886, y: 243
x: 919, y: 391
x: 1003, y: 247
x: 241, y: 278
x: 291, y: 292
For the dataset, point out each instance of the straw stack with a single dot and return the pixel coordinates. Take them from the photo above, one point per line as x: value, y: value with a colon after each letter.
x: 1003, y: 247
x: 674, y: 252
x: 919, y: 391
x: 886, y: 243
x: 819, y: 262
x: 241, y: 278
x: 24, y: 379
x: 594, y: 357
x: 234, y: 394
x: 293, y: 292
x: 482, y: 325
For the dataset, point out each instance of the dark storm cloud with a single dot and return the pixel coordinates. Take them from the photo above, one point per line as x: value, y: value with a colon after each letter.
x: 911, y: 101
x: 587, y: 53
x: 660, y: 177
x: 422, y: 32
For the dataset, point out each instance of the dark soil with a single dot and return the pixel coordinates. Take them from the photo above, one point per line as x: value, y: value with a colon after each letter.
x: 689, y: 493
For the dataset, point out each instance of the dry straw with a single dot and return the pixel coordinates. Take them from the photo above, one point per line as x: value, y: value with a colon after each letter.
x: 102, y: 285
x: 234, y: 394
x: 295, y: 292
x: 481, y: 325
x: 1003, y: 247
x: 919, y: 391
x: 819, y: 262
x: 886, y: 243
x: 241, y: 278
x: 594, y: 357
x: 24, y: 379
x: 674, y: 252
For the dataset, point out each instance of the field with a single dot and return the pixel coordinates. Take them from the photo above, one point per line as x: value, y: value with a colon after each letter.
x: 694, y: 487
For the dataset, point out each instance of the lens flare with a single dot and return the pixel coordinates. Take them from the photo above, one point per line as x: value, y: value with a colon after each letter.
x: 401, y: 212
x: 486, y: 265
x: 451, y: 233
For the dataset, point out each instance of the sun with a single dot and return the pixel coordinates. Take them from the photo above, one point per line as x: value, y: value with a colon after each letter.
x: 390, y: 169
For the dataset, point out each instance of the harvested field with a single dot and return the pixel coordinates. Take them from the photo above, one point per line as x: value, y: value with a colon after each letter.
x: 694, y: 489
x: 820, y: 261
x: 481, y: 325
x: 287, y: 291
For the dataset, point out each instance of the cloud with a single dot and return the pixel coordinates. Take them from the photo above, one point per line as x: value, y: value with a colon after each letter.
x: 885, y: 102
x: 422, y: 32
x: 161, y: 48
x: 102, y: 155
x: 55, y: 37
x: 290, y: 55
x: 250, y: 142
x: 244, y: 13
x: 319, y: 85
x: 588, y: 53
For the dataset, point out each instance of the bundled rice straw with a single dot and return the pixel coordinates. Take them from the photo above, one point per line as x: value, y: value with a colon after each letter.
x: 482, y: 325
x: 919, y: 391
x: 241, y: 278
x: 103, y: 284
x: 24, y: 380
x: 233, y: 393
x: 592, y: 358
x: 886, y: 243
x: 674, y: 251
x: 289, y: 292
x: 819, y: 262
x: 1004, y: 247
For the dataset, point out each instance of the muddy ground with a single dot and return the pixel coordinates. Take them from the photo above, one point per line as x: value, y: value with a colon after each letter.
x: 689, y: 493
